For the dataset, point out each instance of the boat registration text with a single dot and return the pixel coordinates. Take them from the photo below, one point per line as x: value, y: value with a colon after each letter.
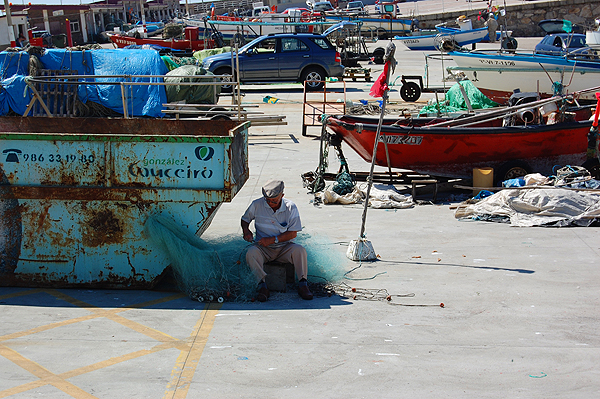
x: 410, y: 140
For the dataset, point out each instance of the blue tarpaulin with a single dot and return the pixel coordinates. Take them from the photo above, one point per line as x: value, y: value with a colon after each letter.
x: 142, y: 100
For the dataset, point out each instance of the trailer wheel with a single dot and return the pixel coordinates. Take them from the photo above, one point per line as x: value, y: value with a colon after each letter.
x: 593, y: 166
x: 410, y: 92
x: 511, y: 170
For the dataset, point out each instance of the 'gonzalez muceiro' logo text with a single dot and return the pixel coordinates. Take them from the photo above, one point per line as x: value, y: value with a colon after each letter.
x: 174, y: 168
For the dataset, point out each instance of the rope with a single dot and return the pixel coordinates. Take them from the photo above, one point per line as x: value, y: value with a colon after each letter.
x: 557, y: 88
x: 377, y: 294
x: 345, y: 183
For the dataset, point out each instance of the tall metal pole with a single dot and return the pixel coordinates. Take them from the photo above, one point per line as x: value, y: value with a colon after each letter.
x: 11, y: 29
x: 143, y: 15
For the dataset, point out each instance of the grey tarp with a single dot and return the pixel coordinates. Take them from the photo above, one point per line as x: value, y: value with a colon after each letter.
x: 536, y: 207
x: 191, y: 94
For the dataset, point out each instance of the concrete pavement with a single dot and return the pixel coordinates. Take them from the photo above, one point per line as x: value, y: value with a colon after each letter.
x: 520, y: 315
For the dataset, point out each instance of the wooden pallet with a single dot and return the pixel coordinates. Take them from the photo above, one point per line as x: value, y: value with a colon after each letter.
x: 355, y: 73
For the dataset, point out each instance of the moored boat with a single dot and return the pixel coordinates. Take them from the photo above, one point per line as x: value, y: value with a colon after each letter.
x: 499, y: 74
x: 455, y: 148
x: 438, y: 41
x: 192, y: 41
x: 384, y: 24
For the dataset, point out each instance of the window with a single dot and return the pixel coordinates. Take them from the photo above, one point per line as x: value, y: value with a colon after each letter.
x: 266, y: 46
x: 324, y: 44
x: 293, y: 44
x: 74, y: 26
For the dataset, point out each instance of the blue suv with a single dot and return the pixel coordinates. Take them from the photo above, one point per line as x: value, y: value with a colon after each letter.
x: 295, y: 57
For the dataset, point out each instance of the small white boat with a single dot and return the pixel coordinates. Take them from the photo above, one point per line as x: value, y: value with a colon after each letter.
x: 497, y: 74
x: 447, y: 40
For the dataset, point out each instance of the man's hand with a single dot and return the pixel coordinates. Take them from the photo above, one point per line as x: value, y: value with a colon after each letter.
x: 248, y: 236
x: 266, y: 241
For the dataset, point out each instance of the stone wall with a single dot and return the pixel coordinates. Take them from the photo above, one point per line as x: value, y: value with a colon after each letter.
x: 522, y: 19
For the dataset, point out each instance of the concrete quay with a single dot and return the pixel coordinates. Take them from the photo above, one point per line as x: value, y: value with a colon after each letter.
x: 520, y: 316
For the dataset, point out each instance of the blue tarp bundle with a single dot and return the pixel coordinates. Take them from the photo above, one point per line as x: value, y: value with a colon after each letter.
x: 142, y: 100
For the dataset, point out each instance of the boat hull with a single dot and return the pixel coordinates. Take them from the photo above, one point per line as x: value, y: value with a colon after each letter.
x: 380, y: 26
x: 176, y: 44
x: 455, y: 152
x: 498, y: 75
x: 433, y: 42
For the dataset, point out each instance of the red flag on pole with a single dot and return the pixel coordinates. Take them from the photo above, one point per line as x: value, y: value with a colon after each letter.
x: 380, y: 85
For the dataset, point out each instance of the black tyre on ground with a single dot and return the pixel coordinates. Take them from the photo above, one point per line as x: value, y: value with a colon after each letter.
x: 378, y: 54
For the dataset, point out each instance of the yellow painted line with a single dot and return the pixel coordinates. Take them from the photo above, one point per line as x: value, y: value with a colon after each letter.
x: 190, y: 349
x: 187, y: 361
x: 97, y: 312
x: 45, y: 375
x: 112, y: 315
x: 21, y: 293
x: 47, y: 327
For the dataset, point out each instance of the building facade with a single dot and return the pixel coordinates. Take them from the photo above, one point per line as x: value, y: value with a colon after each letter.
x: 86, y: 22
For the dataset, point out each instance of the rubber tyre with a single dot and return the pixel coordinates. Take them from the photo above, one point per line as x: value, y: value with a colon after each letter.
x: 313, y: 78
x: 410, y: 92
x: 511, y: 170
x: 382, y: 34
x: 448, y: 45
x: 509, y: 43
x: 593, y: 166
x: 224, y: 71
x: 378, y: 55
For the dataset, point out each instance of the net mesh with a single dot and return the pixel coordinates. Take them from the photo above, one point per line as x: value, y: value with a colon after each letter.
x: 216, y: 269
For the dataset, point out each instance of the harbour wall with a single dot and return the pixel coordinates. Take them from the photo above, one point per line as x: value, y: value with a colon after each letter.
x: 522, y: 19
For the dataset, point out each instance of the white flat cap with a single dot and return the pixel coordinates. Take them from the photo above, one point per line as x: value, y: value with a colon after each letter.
x: 272, y: 188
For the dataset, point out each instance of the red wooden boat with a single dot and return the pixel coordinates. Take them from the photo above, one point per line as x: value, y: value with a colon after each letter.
x: 453, y: 151
x: 192, y: 41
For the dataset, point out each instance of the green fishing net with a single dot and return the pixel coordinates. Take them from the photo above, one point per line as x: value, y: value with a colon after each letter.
x: 455, y: 101
x: 216, y: 269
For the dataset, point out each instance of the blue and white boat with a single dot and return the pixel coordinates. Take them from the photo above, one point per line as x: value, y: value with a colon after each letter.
x: 448, y: 39
x: 499, y: 74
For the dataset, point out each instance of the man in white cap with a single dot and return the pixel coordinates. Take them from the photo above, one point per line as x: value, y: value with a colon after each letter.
x: 492, y: 25
x: 277, y: 222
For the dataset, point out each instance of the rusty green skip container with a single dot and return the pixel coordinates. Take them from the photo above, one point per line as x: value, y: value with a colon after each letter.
x: 75, y: 194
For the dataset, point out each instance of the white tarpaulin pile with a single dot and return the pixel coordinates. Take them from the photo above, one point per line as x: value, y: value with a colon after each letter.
x: 536, y: 207
x: 381, y: 196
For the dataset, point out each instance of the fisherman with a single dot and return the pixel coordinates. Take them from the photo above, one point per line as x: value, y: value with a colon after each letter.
x: 277, y: 222
x: 492, y: 26
x: 21, y: 40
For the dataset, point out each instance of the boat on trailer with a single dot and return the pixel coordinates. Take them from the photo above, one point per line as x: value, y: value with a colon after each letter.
x: 192, y: 41
x: 499, y: 74
x: 454, y: 147
x: 452, y: 38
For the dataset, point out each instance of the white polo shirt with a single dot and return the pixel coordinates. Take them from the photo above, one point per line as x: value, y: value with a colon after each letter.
x: 268, y: 223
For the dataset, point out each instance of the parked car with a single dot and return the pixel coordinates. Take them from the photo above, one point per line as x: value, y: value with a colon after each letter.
x: 322, y: 6
x: 355, y: 7
x: 563, y: 44
x: 296, y: 57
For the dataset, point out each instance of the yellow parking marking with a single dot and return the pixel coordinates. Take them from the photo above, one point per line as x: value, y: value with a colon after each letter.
x: 190, y: 349
x: 187, y: 361
x: 21, y: 293
x: 42, y: 373
x: 97, y: 312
